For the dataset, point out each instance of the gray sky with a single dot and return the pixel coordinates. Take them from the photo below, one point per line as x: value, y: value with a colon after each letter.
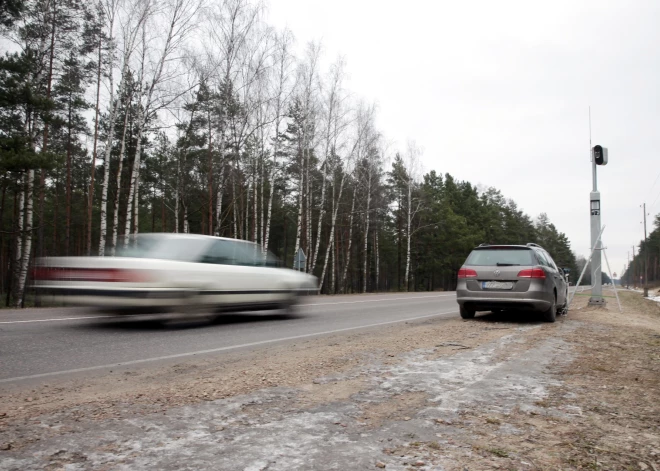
x: 497, y: 93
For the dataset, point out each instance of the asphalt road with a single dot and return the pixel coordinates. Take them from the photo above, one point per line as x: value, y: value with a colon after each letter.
x: 55, y: 342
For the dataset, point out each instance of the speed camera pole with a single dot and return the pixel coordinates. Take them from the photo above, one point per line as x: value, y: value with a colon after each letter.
x: 598, y: 157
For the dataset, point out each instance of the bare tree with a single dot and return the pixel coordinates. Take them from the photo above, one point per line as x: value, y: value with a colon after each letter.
x: 231, y: 23
x: 308, y: 81
x: 180, y: 19
x: 281, y: 94
x: 331, y: 104
x: 135, y: 18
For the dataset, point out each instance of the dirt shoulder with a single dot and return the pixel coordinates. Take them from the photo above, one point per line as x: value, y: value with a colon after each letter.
x: 497, y: 392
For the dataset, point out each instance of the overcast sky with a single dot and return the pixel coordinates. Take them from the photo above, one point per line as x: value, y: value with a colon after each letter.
x: 498, y: 92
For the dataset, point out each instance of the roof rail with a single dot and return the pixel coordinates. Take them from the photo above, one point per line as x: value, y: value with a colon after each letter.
x: 484, y: 245
x: 532, y: 244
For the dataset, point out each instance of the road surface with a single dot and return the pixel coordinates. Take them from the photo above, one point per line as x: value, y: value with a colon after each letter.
x: 55, y: 342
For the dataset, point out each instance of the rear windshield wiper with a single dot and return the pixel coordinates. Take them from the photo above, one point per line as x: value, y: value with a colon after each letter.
x: 508, y: 264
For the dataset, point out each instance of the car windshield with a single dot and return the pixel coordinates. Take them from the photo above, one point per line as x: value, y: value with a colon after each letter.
x: 500, y: 257
x: 165, y: 248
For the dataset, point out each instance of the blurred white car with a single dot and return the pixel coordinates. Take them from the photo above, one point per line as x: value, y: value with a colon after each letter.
x: 175, y: 273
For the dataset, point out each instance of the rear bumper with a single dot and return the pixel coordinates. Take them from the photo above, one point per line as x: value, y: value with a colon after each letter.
x: 488, y: 300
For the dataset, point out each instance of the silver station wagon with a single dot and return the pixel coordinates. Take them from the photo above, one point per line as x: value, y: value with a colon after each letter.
x: 506, y: 277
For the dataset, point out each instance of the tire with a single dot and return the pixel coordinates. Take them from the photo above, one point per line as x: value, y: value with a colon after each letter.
x: 466, y: 313
x: 551, y: 314
x: 291, y: 308
x: 563, y: 309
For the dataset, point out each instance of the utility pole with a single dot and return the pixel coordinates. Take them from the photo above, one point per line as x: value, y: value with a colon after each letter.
x: 628, y: 277
x: 646, y: 258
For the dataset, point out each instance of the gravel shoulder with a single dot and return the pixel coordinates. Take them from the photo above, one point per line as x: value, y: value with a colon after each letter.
x: 496, y: 392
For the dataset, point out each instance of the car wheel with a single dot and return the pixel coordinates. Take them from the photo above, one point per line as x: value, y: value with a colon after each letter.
x: 466, y: 313
x: 563, y: 309
x: 551, y: 314
x: 290, y: 307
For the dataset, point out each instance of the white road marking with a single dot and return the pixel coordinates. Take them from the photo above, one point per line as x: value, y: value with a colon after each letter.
x: 380, y: 300
x: 220, y: 349
x: 55, y: 319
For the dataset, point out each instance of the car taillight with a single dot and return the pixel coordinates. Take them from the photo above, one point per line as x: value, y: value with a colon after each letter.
x: 112, y: 275
x: 467, y: 273
x: 532, y: 273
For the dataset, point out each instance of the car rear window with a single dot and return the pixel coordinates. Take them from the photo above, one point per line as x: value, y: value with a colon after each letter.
x: 493, y: 257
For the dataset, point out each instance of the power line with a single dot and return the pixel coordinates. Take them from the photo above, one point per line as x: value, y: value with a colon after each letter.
x: 653, y: 186
x: 655, y: 201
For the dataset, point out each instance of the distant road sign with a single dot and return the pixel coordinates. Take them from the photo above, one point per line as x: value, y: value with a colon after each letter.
x: 299, y: 260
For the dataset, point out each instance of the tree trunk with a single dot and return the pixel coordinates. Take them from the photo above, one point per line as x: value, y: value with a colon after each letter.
x: 234, y: 211
x: 218, y: 206
x: 255, y: 205
x: 44, y: 144
x: 262, y: 179
x: 328, y: 249
x: 271, y: 184
x: 300, y: 211
x: 136, y: 207
x: 120, y: 164
x: 25, y: 256
x: 67, y: 230
x: 90, y: 203
x: 366, y: 234
x: 210, y: 179
x: 247, y: 208
x: 350, y: 243
x: 133, y: 181
x: 408, y: 235
x: 321, y: 215
x: 176, y: 195
x: 377, y: 263
x: 18, y: 250
x: 308, y: 218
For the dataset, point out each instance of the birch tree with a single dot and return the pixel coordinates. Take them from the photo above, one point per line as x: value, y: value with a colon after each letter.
x: 308, y: 81
x: 412, y: 163
x: 281, y: 94
x: 232, y: 22
x: 27, y: 246
x: 179, y: 17
x: 332, y: 102
x: 130, y: 29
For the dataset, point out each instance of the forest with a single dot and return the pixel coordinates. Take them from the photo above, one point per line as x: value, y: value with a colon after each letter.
x: 646, y: 259
x: 119, y: 117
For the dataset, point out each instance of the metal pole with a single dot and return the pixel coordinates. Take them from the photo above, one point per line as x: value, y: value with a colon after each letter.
x: 596, y: 298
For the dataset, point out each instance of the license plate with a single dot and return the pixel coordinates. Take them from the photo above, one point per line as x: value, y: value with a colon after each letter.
x: 497, y: 285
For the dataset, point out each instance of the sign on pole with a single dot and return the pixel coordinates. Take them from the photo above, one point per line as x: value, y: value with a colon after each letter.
x: 299, y: 260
